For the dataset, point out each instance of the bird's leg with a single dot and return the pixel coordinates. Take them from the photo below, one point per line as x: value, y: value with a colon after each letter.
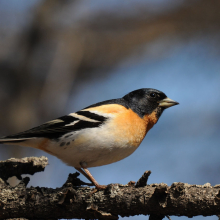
x: 92, y: 179
x: 84, y: 174
x: 89, y: 176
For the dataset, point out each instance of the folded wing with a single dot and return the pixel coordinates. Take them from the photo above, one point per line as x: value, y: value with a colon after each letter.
x: 56, y: 128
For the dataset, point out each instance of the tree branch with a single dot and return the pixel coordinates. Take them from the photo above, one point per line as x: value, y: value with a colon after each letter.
x: 74, y: 201
x: 17, y: 167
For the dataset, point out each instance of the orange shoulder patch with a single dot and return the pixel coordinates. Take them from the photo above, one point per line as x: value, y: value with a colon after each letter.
x: 109, y: 108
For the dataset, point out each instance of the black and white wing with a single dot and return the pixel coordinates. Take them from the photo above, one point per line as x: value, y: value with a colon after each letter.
x: 56, y: 128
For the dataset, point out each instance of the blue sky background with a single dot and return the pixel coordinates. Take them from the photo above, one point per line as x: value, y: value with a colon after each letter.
x: 184, y: 146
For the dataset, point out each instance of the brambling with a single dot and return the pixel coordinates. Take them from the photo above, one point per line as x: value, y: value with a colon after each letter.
x: 99, y: 134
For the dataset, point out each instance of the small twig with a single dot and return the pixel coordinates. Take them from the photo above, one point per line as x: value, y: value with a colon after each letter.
x: 143, y: 180
x: 168, y: 217
x: 17, y: 167
x: 156, y: 217
x: 73, y: 180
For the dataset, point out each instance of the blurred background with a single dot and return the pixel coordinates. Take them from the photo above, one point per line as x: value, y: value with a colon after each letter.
x: 57, y: 57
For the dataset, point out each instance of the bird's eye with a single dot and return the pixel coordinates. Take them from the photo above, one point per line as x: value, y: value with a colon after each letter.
x: 153, y: 95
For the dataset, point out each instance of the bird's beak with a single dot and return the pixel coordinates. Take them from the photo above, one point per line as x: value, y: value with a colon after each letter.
x: 167, y: 102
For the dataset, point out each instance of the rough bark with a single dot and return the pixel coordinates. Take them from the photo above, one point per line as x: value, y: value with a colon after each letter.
x: 17, y: 167
x: 74, y: 201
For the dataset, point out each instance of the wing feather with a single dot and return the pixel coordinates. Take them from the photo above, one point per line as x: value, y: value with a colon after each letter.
x: 56, y: 128
x: 89, y: 117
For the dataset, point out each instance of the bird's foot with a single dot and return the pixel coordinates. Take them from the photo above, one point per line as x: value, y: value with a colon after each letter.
x: 97, y: 188
x: 100, y: 187
x: 131, y: 183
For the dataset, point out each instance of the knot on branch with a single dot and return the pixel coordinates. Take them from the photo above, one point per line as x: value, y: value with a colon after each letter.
x: 177, y: 189
x: 143, y: 180
x: 73, y: 180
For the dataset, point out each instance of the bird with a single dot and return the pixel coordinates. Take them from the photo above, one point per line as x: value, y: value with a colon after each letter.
x: 100, y: 134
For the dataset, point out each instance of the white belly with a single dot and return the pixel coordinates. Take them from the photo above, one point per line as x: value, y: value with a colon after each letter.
x: 95, y: 147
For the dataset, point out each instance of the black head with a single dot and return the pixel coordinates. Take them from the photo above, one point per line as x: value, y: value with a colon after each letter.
x: 146, y: 101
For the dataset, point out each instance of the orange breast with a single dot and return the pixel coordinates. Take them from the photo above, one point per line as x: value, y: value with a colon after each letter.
x: 133, y: 128
x: 126, y: 125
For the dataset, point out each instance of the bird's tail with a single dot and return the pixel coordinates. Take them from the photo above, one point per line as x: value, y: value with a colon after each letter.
x: 21, y: 141
x: 10, y: 140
